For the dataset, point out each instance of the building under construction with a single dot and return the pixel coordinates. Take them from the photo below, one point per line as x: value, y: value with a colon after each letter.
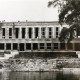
x: 30, y: 36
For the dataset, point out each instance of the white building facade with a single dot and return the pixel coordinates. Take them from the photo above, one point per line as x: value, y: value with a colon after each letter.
x: 31, y: 36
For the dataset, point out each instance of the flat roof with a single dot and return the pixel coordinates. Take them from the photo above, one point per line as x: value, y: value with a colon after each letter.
x: 30, y: 23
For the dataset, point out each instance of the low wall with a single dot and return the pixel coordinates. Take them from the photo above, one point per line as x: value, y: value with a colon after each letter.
x: 42, y: 64
x: 33, y: 65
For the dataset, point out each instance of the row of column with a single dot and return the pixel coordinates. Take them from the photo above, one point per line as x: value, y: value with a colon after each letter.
x: 27, y: 33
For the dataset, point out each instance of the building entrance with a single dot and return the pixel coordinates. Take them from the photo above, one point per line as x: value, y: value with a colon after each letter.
x: 21, y: 46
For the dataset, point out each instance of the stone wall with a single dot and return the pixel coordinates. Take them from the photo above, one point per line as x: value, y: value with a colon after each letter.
x: 43, y: 64
x: 32, y: 64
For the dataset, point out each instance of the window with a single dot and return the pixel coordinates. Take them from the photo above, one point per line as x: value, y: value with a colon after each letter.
x: 23, y: 32
x: 41, y: 45
x: 62, y: 45
x: 55, y: 45
x: 57, y: 32
x: 50, y: 33
x: 1, y: 46
x: 28, y: 46
x: 30, y: 32
x: 10, y: 32
x: 15, y: 46
x: 17, y: 32
x: 8, y: 46
x: 21, y: 46
x: 70, y: 46
x: 43, y: 32
x: 36, y: 32
x: 3, y: 32
x: 35, y: 46
x: 48, y: 45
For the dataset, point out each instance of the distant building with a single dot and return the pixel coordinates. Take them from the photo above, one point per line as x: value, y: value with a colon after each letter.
x: 34, y: 37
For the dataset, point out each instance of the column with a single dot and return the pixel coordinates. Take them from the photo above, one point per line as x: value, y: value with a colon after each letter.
x: 59, y: 31
x: 25, y: 46
x: 1, y: 33
x: 51, y: 46
x: 73, y: 46
x: 45, y: 44
x: 47, y: 32
x: 13, y: 33
x: 7, y: 33
x: 65, y: 45
x: 18, y: 47
x: 40, y: 33
x: 4, y: 46
x: 33, y: 33
x: 26, y: 34
x: 53, y: 32
x: 20, y: 33
x: 58, y: 46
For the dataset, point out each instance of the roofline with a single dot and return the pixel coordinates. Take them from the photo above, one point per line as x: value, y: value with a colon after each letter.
x: 30, y: 21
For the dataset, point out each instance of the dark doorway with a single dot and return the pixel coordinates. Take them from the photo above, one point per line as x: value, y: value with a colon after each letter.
x: 3, y: 32
x: 1, y: 46
x: 15, y: 46
x: 21, y: 46
x: 41, y: 45
x: 62, y: 45
x: 16, y: 32
x: 8, y: 46
x: 28, y: 46
x: 23, y: 32
x: 48, y: 45
x: 30, y: 32
x: 35, y: 46
x: 10, y: 32
x: 36, y: 32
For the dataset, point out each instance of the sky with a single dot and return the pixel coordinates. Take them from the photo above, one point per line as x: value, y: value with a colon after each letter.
x: 31, y: 10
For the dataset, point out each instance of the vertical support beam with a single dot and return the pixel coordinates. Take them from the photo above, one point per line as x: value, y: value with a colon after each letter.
x: 20, y: 33
x: 54, y: 32
x: 13, y: 33
x: 1, y: 33
x: 51, y: 46
x: 33, y: 33
x: 26, y: 36
x: 7, y: 33
x: 59, y: 31
x: 46, y: 32
x: 73, y: 45
x: 25, y: 46
x: 45, y: 44
x: 59, y: 46
x: 4, y: 46
x: 18, y: 47
x: 40, y: 33
x: 65, y: 45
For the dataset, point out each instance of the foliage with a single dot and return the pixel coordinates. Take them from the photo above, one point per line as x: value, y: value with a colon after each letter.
x: 69, y: 13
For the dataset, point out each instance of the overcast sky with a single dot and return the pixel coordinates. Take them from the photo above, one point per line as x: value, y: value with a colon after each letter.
x: 31, y: 10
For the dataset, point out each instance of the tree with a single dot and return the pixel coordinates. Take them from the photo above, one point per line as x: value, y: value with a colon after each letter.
x: 69, y: 13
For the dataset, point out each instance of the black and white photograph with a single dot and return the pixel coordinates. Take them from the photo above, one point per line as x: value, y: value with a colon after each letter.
x: 39, y: 39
